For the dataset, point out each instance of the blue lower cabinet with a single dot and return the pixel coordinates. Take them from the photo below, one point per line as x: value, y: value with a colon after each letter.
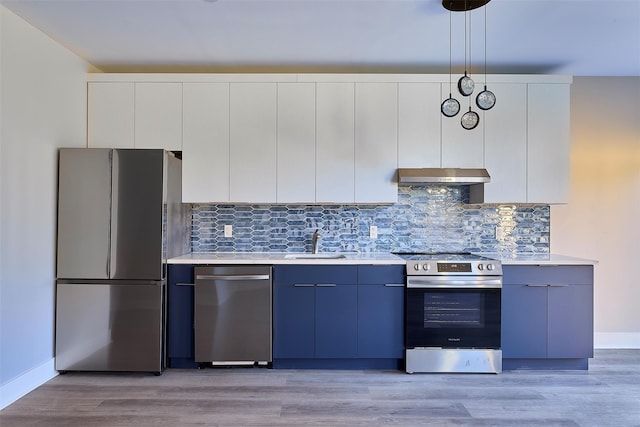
x: 325, y: 317
x: 381, y: 311
x: 180, y: 334
x: 547, y: 317
x: 315, y: 309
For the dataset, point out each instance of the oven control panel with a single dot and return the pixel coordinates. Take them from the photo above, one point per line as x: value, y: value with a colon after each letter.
x: 432, y: 268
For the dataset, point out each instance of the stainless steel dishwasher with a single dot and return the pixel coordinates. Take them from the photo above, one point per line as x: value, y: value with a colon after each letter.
x: 233, y: 315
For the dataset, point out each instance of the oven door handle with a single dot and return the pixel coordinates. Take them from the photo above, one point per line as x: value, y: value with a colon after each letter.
x: 453, y: 283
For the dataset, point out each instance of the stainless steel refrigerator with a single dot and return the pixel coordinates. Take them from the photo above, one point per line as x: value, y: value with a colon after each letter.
x: 120, y: 216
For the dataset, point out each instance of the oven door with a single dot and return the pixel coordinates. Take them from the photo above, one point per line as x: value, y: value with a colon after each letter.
x: 453, y: 312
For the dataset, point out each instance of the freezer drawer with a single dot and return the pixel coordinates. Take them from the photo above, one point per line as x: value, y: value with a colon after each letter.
x: 233, y: 314
x: 110, y: 327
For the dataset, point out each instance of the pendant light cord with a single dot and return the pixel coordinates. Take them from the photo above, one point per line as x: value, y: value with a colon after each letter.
x: 485, y: 47
x: 450, y: 49
x: 465, y: 37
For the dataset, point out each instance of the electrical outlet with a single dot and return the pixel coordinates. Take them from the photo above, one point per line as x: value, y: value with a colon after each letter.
x: 373, y: 232
x: 228, y: 230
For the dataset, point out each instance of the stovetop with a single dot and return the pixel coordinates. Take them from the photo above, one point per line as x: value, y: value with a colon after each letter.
x: 439, y: 256
x: 449, y: 263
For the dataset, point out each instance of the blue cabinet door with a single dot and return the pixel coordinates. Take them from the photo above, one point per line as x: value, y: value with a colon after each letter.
x: 381, y: 311
x: 293, y: 320
x: 336, y: 321
x: 524, y: 322
x: 570, y: 321
x: 315, y: 311
x: 180, y: 312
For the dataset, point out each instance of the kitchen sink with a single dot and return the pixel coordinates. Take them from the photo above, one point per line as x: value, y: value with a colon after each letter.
x: 314, y: 256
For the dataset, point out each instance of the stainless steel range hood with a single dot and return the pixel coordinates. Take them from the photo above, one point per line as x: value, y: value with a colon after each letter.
x: 445, y: 176
x: 474, y: 178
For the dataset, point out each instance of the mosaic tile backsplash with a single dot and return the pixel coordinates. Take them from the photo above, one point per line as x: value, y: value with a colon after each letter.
x: 426, y: 218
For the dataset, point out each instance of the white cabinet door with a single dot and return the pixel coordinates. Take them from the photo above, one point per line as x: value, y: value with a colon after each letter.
x: 548, y: 146
x: 110, y: 115
x: 296, y: 161
x: 506, y: 144
x: 335, y: 142
x: 253, y: 112
x: 376, y: 142
x: 419, y: 125
x: 462, y: 148
x: 158, y: 115
x: 205, y: 143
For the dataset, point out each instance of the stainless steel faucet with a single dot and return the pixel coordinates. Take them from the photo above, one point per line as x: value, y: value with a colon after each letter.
x: 314, y: 241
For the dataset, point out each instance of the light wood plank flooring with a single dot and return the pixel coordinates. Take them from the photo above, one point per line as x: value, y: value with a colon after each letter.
x: 606, y: 395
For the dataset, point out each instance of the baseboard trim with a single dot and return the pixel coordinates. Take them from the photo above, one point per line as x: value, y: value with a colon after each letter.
x: 30, y: 380
x: 616, y: 340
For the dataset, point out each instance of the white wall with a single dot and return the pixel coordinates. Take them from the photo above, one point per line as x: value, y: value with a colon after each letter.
x: 602, y: 219
x: 42, y: 107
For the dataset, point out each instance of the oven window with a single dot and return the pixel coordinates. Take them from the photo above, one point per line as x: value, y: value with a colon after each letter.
x: 446, y: 310
x: 453, y: 318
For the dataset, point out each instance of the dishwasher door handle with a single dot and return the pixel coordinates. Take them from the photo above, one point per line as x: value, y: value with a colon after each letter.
x: 232, y: 277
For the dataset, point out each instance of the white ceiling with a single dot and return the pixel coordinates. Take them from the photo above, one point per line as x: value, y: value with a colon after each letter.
x: 577, y: 37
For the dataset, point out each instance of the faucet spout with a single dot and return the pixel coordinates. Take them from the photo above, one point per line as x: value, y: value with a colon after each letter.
x: 314, y: 241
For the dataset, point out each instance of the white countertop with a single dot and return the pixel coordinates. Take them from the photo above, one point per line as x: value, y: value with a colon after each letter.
x: 537, y: 259
x: 381, y: 258
x: 279, y: 258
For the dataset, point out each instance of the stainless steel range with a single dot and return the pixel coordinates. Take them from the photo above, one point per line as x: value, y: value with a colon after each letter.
x: 453, y: 319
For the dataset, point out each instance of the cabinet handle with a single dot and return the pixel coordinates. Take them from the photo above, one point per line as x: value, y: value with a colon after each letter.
x: 394, y: 285
x: 558, y: 286
x: 537, y: 286
x: 303, y: 285
x: 185, y: 284
x: 326, y: 285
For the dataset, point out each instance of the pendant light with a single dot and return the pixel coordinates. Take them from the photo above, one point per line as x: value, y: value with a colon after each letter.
x: 470, y: 119
x: 466, y: 83
x: 450, y: 106
x: 485, y: 99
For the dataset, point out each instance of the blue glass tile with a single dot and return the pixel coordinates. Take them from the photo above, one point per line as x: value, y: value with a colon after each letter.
x: 427, y: 218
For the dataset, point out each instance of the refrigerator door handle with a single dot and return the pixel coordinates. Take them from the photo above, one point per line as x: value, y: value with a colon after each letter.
x: 113, y: 234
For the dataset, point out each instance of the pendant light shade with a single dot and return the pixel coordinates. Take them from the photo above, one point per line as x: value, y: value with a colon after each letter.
x: 450, y: 107
x: 485, y: 99
x: 470, y: 120
x: 466, y: 85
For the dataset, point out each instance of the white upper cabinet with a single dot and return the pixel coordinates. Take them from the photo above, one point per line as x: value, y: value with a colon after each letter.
x: 335, y: 138
x: 548, y: 145
x: 335, y: 142
x: 462, y: 148
x: 506, y: 144
x: 110, y: 115
x: 419, y: 125
x: 205, y: 142
x: 158, y: 115
x: 253, y: 112
x: 376, y: 142
x: 296, y: 152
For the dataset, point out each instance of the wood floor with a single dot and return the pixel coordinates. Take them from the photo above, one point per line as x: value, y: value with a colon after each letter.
x: 606, y: 395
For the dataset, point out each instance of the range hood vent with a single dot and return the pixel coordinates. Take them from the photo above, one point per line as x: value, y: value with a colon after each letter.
x: 443, y: 176
x: 474, y: 178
